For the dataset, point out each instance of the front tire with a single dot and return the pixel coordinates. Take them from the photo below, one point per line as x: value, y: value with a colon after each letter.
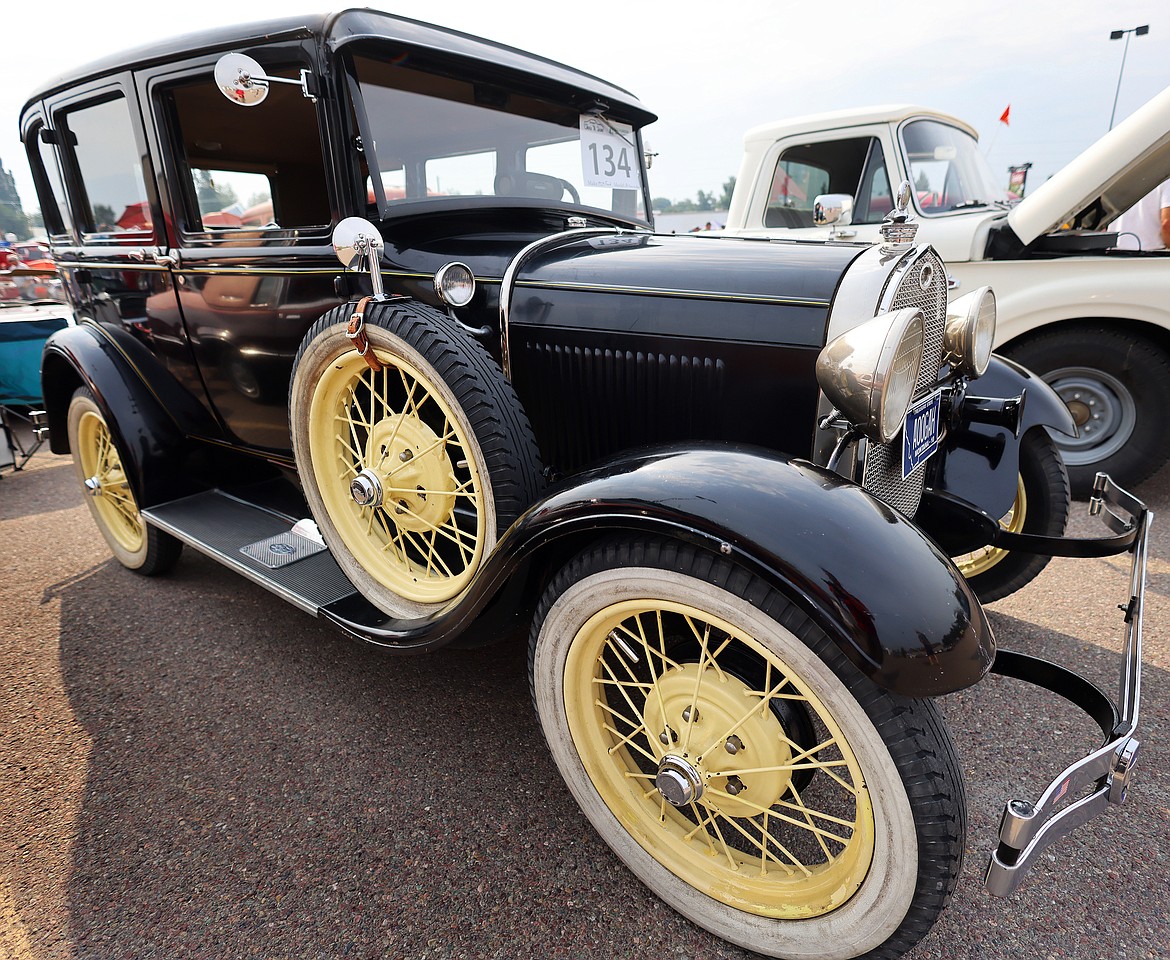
x: 1041, y: 507
x: 102, y: 476
x: 737, y: 762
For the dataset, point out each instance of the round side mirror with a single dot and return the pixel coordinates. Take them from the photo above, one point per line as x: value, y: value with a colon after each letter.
x: 353, y: 238
x: 241, y: 79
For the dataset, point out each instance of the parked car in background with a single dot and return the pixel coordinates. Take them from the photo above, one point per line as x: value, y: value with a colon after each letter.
x: 1092, y: 320
x: 452, y: 383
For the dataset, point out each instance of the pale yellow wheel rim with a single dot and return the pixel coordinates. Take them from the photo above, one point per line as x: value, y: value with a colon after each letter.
x: 765, y: 846
x: 112, y: 501
x: 425, y: 538
x: 980, y: 561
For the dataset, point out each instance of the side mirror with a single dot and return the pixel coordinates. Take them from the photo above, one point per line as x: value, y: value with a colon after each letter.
x: 358, y: 244
x: 833, y: 208
x: 243, y: 81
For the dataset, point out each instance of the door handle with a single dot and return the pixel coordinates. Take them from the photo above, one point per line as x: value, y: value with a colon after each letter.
x: 166, y: 260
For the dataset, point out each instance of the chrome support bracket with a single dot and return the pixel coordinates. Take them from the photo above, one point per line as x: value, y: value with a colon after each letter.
x: 1027, y: 828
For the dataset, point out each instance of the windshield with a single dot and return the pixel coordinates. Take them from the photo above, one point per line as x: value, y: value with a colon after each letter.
x: 438, y: 138
x: 947, y: 169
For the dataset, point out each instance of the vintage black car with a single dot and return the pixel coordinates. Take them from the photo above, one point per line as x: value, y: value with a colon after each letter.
x: 720, y: 479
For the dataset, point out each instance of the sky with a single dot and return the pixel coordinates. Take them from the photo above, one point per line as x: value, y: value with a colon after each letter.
x: 713, y: 70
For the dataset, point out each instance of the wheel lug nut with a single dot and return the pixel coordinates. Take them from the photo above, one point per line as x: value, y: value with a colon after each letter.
x: 406, y: 455
x: 735, y: 786
x: 668, y: 736
x: 733, y: 745
x: 691, y: 713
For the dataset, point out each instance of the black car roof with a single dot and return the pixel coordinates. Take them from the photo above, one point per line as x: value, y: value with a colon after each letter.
x: 346, y: 27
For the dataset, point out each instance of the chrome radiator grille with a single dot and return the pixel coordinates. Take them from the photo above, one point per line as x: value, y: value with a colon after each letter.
x: 882, y: 474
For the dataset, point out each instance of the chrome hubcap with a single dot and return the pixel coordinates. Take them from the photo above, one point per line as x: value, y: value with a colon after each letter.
x: 679, y: 783
x: 366, y: 489
x: 93, y: 486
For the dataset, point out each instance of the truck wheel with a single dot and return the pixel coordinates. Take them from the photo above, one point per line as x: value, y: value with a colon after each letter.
x: 411, y: 472
x: 1041, y: 506
x: 737, y: 762
x: 1117, y: 387
x: 136, y: 545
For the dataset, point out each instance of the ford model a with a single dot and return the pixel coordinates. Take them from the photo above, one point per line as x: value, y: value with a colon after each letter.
x: 721, y: 479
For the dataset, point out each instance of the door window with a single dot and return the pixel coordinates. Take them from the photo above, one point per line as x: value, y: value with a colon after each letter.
x: 115, y: 207
x: 250, y: 169
x: 50, y: 189
x: 808, y: 169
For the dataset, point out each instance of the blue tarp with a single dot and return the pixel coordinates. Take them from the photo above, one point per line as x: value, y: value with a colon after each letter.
x: 20, y: 358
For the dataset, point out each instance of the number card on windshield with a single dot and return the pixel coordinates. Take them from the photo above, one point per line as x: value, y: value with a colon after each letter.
x: 608, y: 155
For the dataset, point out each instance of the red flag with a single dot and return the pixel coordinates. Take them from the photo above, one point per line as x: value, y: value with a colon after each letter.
x: 1003, y: 117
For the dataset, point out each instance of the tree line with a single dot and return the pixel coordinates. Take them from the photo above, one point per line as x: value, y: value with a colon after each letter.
x: 703, y: 201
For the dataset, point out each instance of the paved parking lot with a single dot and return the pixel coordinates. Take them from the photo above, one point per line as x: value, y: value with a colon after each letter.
x: 192, y: 768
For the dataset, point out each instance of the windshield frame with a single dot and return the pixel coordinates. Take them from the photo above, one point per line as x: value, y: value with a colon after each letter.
x: 976, y: 187
x: 373, y: 162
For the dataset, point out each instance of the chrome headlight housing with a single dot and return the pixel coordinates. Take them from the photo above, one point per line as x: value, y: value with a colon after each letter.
x: 455, y: 284
x: 970, y: 332
x: 869, y: 373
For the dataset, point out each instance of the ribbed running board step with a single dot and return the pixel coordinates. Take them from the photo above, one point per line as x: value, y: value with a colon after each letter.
x: 221, y: 526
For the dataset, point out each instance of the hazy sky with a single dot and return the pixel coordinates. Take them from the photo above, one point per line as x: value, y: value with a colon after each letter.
x: 712, y: 70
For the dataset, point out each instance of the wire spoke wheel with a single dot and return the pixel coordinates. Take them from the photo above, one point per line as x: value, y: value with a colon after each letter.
x: 425, y: 523
x: 412, y: 470
x: 110, y: 498
x: 697, y: 751
x: 734, y: 759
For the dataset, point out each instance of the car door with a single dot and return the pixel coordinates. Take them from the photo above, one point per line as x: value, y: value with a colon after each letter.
x: 108, y: 231
x: 248, y: 195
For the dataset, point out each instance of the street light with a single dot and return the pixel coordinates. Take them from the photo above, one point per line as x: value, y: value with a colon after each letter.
x: 1117, y: 35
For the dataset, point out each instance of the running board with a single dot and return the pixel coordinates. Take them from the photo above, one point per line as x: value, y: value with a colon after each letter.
x: 241, y: 535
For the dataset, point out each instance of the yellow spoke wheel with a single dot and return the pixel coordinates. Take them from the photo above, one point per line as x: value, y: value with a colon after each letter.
x: 108, y: 493
x: 1041, y: 506
x: 980, y: 561
x: 413, y: 469
x: 737, y: 762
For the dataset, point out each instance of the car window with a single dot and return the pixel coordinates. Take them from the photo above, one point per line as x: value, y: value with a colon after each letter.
x: 437, y: 137
x: 253, y: 169
x: 874, y: 196
x: 54, y: 209
x: 115, y: 207
x: 947, y: 169
x: 805, y: 170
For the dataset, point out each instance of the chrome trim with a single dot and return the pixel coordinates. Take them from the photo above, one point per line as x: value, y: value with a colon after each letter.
x: 508, y: 282
x: 441, y: 275
x: 1028, y: 828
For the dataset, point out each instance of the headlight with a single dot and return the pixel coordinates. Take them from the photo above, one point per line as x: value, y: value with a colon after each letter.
x: 455, y: 284
x: 970, y: 332
x: 869, y: 373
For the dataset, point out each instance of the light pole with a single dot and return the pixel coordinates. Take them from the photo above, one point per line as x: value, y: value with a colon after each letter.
x: 1117, y: 35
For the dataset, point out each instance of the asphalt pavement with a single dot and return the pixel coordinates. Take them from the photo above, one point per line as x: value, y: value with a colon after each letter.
x: 189, y: 767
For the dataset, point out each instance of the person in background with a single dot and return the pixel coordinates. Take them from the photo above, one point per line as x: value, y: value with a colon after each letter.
x: 1146, y: 225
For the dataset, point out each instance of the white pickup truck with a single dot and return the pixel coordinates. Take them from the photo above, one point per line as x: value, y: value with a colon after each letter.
x: 1092, y: 320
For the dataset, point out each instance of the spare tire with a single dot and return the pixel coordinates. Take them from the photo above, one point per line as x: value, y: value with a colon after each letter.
x: 413, y: 471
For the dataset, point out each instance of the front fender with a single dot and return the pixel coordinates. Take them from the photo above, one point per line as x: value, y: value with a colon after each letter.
x: 881, y: 589
x: 981, y: 463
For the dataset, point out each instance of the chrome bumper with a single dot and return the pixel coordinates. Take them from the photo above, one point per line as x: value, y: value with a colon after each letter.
x: 1029, y: 827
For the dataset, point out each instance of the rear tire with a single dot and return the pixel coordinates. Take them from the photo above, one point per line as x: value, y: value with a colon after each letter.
x: 136, y: 545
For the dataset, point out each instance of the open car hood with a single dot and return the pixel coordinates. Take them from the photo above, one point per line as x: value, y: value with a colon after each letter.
x: 1104, y: 181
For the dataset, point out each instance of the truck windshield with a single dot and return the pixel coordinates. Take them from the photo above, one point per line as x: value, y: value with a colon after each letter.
x: 439, y: 138
x: 947, y: 169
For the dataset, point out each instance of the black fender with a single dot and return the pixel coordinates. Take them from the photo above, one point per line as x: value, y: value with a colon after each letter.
x: 879, y: 587
x: 980, y: 463
x: 140, y: 400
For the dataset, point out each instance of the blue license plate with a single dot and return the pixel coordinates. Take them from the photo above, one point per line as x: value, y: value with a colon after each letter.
x: 922, y: 433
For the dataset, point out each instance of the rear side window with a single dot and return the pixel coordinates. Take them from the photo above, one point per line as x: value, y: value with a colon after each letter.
x: 114, y: 207
x: 50, y: 188
x: 247, y: 169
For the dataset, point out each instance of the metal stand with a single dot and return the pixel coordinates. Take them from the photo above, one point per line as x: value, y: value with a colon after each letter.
x: 13, y: 452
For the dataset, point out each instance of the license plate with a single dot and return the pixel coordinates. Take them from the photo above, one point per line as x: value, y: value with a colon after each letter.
x: 922, y: 433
